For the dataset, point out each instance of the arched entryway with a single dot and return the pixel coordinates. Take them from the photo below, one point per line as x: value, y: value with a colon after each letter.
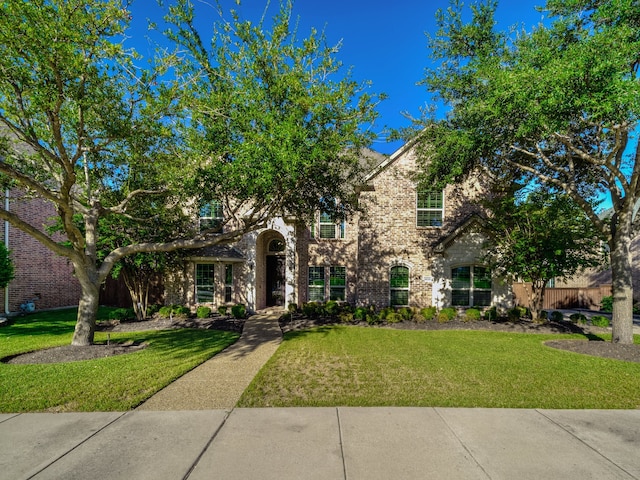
x: 271, y: 261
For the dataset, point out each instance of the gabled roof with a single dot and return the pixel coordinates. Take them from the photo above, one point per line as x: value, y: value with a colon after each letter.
x: 388, y: 160
x: 463, y: 228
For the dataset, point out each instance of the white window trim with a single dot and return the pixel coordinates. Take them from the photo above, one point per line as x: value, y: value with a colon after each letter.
x: 442, y: 210
x: 407, y: 288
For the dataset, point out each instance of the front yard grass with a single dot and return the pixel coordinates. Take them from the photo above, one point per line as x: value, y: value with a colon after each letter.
x: 110, y: 384
x: 355, y: 366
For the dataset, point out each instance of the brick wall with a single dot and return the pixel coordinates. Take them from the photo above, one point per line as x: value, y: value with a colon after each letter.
x: 38, y: 272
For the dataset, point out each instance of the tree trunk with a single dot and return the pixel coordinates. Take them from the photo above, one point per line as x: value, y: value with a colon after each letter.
x: 536, y: 299
x: 622, y: 285
x: 87, y: 313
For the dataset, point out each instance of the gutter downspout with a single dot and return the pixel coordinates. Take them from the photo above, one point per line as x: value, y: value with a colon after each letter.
x: 6, y: 244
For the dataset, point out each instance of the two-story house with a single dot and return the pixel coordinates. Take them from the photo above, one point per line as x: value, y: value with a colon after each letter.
x: 409, y: 245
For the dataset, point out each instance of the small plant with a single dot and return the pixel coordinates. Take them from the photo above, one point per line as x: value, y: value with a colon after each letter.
x: 310, y: 309
x: 181, y: 310
x: 394, y: 317
x: 491, y: 314
x: 429, y: 313
x: 472, y: 315
x: 514, y: 314
x: 557, y: 316
x: 203, y: 312
x: 239, y: 311
x: 165, y: 311
x: 606, y: 304
x: 332, y: 308
x: 373, y: 318
x: 406, y: 314
x: 345, y: 317
x: 360, y: 313
x: 222, y: 310
x: 447, y: 314
x: 578, y: 318
x: 385, y: 312
x: 543, y: 315
x: 600, y: 321
x: 122, y: 314
x: 292, y: 307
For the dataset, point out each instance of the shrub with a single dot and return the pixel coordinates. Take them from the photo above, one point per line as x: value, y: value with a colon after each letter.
x: 606, y: 304
x: 373, y: 318
x: 360, y: 313
x: 429, y: 313
x: 203, y: 312
x: 222, y: 310
x: 405, y: 313
x: 165, y: 311
x: 239, y: 311
x: 385, y: 312
x: 599, y: 321
x: 578, y: 318
x: 122, y: 314
x: 491, y: 315
x: 557, y: 316
x: 472, y: 315
x: 180, y: 310
x: 332, y: 308
x: 514, y: 314
x: 310, y: 309
x: 345, y: 317
x: 292, y: 307
x: 543, y: 315
x: 394, y: 317
x: 153, y: 309
x: 447, y: 314
x: 419, y: 318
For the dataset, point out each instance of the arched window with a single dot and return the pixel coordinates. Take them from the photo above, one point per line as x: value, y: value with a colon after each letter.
x: 399, y: 286
x: 470, y: 286
x: 276, y: 246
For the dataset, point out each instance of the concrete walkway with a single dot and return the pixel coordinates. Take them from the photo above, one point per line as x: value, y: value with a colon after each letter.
x: 344, y: 443
x: 219, y: 382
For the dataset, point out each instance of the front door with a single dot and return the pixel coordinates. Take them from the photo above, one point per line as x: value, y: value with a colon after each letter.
x: 275, y: 280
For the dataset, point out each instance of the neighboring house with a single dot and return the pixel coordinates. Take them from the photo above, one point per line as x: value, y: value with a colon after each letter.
x: 39, y: 273
x: 408, y: 246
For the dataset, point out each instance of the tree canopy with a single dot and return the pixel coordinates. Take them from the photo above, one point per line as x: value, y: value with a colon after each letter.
x: 255, y: 117
x: 557, y: 105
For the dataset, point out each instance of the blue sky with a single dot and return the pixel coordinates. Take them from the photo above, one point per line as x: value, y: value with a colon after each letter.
x: 384, y: 41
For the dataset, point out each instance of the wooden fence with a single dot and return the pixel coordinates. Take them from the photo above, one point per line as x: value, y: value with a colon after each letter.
x: 563, y: 298
x: 114, y: 293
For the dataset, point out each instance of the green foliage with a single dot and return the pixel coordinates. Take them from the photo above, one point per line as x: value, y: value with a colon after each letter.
x: 578, y: 318
x: 447, y: 314
x: 514, y: 314
x: 600, y: 321
x: 543, y: 315
x: 332, y: 308
x: 406, y: 314
x: 310, y: 309
x: 491, y: 314
x: 346, y: 317
x: 557, y: 316
x: 373, y: 318
x: 239, y: 311
x: 203, y: 312
x: 6, y: 266
x: 472, y: 315
x: 169, y: 310
x: 122, y: 314
x: 360, y: 313
x: 606, y: 304
x: 429, y: 313
x: 382, y: 314
x: 153, y: 309
x: 548, y: 106
x: 292, y: 307
x: 222, y: 310
x: 394, y: 317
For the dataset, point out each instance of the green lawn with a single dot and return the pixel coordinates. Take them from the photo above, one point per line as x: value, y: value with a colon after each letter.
x: 110, y: 384
x: 354, y: 366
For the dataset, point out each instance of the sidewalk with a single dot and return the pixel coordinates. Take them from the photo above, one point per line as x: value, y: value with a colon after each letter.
x: 344, y: 443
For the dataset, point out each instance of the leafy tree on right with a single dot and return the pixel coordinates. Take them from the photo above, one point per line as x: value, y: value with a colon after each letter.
x: 558, y: 105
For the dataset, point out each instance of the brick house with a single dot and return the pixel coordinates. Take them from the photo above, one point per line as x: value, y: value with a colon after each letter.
x: 39, y: 273
x: 408, y: 246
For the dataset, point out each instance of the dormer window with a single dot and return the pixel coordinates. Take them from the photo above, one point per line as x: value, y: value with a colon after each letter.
x: 211, y: 216
x: 430, y: 208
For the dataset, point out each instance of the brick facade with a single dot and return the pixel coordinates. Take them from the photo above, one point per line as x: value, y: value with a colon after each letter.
x: 39, y: 273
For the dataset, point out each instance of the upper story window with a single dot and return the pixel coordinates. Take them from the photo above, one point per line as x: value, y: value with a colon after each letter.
x: 430, y: 208
x: 211, y: 216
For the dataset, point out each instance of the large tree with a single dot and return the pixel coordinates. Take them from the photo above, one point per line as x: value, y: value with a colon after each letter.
x: 539, y: 235
x: 262, y: 121
x: 557, y: 105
